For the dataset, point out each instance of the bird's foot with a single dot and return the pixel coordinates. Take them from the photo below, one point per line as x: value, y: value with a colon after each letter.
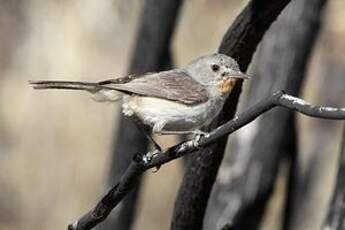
x: 149, y: 156
x: 156, y: 169
x: 198, y: 135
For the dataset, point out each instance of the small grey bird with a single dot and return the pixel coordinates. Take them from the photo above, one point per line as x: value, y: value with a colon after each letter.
x: 178, y: 101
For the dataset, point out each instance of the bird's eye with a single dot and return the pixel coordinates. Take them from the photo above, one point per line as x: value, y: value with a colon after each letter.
x: 215, y: 67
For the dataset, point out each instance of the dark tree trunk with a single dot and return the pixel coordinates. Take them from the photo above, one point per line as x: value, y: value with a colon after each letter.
x: 335, y: 219
x: 239, y: 42
x: 239, y: 202
x: 151, y: 53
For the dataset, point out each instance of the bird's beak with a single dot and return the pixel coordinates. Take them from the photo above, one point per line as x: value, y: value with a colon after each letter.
x: 239, y: 75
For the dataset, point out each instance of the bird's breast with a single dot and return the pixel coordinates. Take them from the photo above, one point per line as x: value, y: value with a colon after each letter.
x: 225, y: 86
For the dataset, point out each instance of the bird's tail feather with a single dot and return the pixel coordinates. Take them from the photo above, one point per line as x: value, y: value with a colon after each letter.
x: 73, y: 85
x: 99, y: 93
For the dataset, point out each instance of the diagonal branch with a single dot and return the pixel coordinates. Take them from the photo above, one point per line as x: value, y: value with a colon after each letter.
x: 140, y: 163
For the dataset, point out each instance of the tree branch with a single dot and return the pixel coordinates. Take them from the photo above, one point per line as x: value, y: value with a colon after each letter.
x: 140, y: 163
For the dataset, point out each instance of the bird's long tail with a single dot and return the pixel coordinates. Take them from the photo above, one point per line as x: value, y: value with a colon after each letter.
x: 99, y: 92
x: 74, y: 85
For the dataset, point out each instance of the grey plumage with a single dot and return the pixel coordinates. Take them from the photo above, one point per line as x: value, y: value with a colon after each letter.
x: 174, y: 101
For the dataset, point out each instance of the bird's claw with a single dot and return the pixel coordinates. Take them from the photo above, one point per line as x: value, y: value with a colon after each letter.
x: 198, y: 135
x: 147, y: 158
x: 150, y: 155
x: 156, y: 169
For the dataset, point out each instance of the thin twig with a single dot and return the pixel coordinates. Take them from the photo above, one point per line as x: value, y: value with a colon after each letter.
x: 140, y: 162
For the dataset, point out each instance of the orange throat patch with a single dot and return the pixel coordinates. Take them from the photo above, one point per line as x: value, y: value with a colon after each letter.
x: 226, y: 86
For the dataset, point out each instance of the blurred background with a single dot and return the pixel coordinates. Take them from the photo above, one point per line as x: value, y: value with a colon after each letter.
x: 55, y: 147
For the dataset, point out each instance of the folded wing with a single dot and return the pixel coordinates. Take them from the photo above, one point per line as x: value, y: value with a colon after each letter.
x: 170, y: 85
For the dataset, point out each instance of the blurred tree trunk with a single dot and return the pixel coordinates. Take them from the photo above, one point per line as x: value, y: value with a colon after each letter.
x: 12, y: 28
x: 151, y: 53
x: 314, y: 178
x: 336, y: 213
x: 247, y: 178
x: 12, y: 23
x: 239, y: 42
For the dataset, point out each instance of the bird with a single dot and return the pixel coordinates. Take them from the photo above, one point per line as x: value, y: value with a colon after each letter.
x: 174, y: 102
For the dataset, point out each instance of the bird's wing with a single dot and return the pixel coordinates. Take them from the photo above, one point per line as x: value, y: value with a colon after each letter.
x: 170, y: 85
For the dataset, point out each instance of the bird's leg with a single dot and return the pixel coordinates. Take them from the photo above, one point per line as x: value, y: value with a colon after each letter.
x: 168, y: 132
x: 143, y: 129
x: 194, y: 132
x: 197, y: 134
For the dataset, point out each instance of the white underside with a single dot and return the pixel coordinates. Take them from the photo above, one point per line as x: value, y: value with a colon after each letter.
x: 164, y: 115
x: 106, y: 96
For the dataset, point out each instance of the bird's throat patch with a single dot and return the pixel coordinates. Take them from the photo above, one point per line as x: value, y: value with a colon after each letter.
x: 226, y: 86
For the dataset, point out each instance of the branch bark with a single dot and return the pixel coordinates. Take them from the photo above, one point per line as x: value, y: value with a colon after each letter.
x: 239, y: 42
x: 240, y: 200
x: 140, y: 162
x: 336, y: 213
x: 151, y: 53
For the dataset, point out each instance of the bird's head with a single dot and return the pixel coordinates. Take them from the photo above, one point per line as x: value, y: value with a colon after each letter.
x: 217, y: 70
